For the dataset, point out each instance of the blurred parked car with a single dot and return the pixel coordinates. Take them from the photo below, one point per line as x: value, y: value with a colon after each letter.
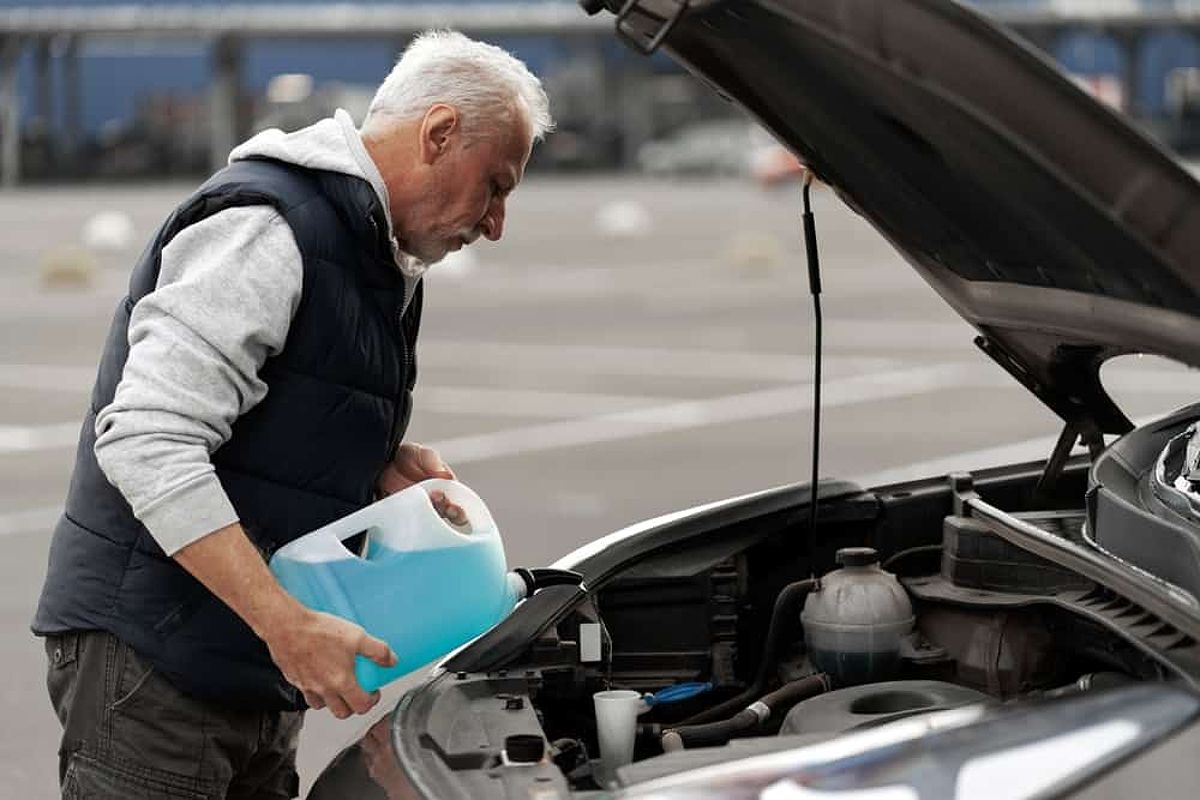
x: 709, y: 147
x: 1038, y: 631
x: 775, y: 164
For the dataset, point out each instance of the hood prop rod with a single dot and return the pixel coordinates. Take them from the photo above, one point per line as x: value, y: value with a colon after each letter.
x: 1056, y: 462
x: 1072, y: 433
x: 814, y: 285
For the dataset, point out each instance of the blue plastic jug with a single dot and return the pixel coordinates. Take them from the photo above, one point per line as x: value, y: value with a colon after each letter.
x: 422, y: 585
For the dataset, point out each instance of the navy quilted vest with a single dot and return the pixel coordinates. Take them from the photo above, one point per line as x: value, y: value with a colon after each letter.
x: 338, y: 401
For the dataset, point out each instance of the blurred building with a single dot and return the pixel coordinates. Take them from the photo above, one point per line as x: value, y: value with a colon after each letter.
x: 111, y: 105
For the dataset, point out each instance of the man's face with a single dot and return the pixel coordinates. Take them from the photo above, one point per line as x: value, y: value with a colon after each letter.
x: 467, y: 182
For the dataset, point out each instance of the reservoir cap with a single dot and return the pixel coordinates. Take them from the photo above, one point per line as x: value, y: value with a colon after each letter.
x: 857, y: 556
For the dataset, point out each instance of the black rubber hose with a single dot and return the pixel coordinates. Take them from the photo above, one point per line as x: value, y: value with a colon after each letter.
x: 714, y: 734
x: 710, y: 734
x: 912, y: 551
x: 793, y: 692
x: 546, y: 576
x: 542, y: 578
x: 785, y: 612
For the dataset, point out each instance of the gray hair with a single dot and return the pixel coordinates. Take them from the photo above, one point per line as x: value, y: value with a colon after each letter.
x: 485, y: 83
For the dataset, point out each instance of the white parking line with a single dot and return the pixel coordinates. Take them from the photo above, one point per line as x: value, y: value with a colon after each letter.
x: 1014, y: 453
x: 637, y: 361
x: 491, y: 402
x: 601, y: 417
x: 29, y: 438
x: 700, y: 413
x: 32, y: 520
x: 640, y: 361
x: 46, y: 377
x: 661, y: 362
x: 1034, y: 449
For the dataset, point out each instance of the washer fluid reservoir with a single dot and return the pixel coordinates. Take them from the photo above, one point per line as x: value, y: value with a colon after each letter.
x: 854, y: 624
x: 423, y: 585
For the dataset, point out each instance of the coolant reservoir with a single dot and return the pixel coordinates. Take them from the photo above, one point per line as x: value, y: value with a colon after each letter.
x: 854, y: 623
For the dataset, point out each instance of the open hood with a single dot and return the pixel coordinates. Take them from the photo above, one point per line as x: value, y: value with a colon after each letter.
x: 1064, y: 236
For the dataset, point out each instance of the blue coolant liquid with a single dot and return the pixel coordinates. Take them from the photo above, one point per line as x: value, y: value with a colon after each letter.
x: 423, y: 603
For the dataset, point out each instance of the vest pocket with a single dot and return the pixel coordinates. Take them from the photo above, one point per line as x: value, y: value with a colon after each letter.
x: 157, y: 596
x: 170, y: 622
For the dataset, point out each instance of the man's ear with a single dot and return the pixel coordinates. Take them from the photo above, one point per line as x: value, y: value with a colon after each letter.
x: 438, y: 131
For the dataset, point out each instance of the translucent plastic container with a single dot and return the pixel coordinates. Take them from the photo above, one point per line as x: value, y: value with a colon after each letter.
x: 423, y: 585
x: 855, y: 623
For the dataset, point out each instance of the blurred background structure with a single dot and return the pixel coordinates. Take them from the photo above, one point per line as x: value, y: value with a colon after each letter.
x: 110, y: 89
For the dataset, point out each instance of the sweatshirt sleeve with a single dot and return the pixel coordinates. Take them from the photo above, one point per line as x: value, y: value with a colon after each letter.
x: 227, y: 290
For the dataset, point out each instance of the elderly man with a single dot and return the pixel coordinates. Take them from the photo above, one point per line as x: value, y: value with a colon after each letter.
x: 256, y: 384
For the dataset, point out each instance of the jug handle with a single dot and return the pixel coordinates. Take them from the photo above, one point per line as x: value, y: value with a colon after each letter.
x: 347, y: 526
x: 459, y: 494
x: 478, y: 516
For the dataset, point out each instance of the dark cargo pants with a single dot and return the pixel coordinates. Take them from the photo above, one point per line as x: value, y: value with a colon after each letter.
x: 128, y: 734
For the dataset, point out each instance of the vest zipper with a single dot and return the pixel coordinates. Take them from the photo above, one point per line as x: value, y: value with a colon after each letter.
x: 403, y: 410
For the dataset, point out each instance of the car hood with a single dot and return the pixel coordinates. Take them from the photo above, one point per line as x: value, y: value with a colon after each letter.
x: 1063, y: 235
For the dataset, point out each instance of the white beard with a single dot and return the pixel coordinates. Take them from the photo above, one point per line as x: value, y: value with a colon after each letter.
x: 410, y: 266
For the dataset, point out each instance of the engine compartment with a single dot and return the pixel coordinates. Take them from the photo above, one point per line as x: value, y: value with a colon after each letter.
x: 993, y: 624
x: 1010, y: 601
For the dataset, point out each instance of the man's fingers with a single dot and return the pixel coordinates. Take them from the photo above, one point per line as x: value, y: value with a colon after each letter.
x: 360, y: 702
x: 433, y: 465
x: 455, y: 514
x: 337, y: 706
x: 416, y: 462
x: 377, y: 650
x: 446, y: 509
x: 314, y: 701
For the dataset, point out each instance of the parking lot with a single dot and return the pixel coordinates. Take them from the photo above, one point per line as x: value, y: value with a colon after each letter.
x: 630, y: 348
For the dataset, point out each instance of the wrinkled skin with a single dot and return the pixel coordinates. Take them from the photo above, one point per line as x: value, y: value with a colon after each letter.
x: 447, y: 186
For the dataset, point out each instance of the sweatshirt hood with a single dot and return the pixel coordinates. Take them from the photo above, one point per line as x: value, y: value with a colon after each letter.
x: 333, y: 145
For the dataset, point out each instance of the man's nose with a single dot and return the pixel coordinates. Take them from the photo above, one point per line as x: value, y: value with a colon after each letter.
x: 492, y: 226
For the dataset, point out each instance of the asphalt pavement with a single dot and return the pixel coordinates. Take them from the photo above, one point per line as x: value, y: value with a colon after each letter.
x: 630, y: 348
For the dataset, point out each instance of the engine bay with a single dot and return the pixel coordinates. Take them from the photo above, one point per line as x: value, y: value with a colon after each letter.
x: 992, y: 624
x: 980, y: 596
x: 717, y: 616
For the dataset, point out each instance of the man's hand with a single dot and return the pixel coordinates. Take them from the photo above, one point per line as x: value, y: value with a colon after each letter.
x: 414, y: 463
x: 314, y: 651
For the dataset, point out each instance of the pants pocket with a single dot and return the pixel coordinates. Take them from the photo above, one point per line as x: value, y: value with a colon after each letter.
x: 89, y: 778
x: 153, y: 727
x: 62, y: 656
x: 132, y: 674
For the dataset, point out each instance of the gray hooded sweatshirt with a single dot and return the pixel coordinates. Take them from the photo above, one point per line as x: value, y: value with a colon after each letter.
x: 226, y: 293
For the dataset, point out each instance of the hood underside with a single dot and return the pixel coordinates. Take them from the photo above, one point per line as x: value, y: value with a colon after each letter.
x: 1064, y: 236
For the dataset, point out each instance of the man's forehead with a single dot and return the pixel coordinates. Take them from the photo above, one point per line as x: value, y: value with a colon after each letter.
x: 515, y: 157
